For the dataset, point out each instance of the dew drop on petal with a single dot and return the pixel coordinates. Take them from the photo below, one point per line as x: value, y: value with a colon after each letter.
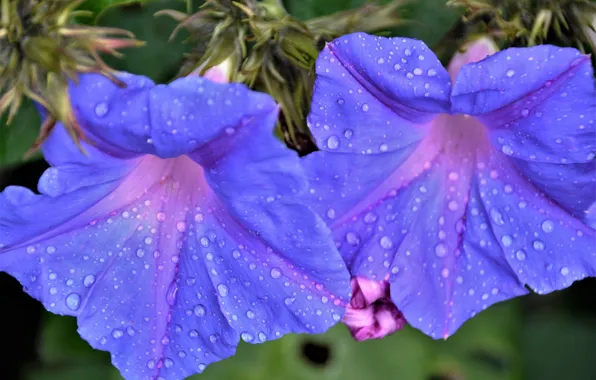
x: 275, y: 273
x: 440, y: 250
x: 199, y: 311
x: 73, y: 301
x: 510, y: 73
x: 89, y: 280
x: 365, y: 107
x: 117, y: 333
x: 333, y: 142
x: 520, y: 255
x: 370, y: 217
x: 548, y: 226
x: 222, y: 289
x: 506, y: 240
x: 564, y: 271
x: 538, y: 245
x: 101, y: 109
x: 386, y: 242
x: 352, y: 238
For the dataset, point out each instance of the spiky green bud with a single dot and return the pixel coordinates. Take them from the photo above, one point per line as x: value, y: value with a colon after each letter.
x: 42, y: 48
x: 532, y: 22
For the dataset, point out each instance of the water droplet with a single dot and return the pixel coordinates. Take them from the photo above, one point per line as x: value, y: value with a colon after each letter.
x: 548, y: 226
x: 365, y: 107
x: 525, y: 112
x: 193, y: 333
x: 452, y: 205
x: 507, y: 150
x: 380, y: 61
x: 51, y: 250
x: 73, y: 301
x: 331, y: 213
x: 538, y: 245
x: 370, y: 217
x: 247, y: 337
x: 205, y: 241
x: 101, y: 109
x: 275, y: 273
x: 168, y: 362
x: 521, y: 255
x: 199, y: 311
x: 172, y: 291
x: 181, y: 226
x: 352, y: 238
x: 130, y: 331
x: 441, y: 250
x: 140, y: 253
x: 117, y: 333
x: 506, y: 240
x: 348, y: 133
x: 222, y: 289
x: 510, y: 73
x: 250, y: 314
x: 160, y: 216
x: 564, y: 271
x: 397, y: 66
x: 290, y: 300
x: 340, y: 101
x: 333, y: 142
x: 496, y: 217
x: 386, y: 242
x: 89, y: 280
x: 199, y: 218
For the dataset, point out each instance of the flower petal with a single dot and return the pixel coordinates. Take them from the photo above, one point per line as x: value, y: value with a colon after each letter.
x: 167, y: 121
x: 374, y: 94
x: 167, y: 263
x: 540, y: 106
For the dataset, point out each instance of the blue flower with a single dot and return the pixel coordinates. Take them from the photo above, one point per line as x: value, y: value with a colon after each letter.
x: 178, y: 233
x: 458, y: 195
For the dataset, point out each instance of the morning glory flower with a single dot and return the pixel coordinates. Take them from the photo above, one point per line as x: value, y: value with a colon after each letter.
x: 178, y: 233
x: 455, y: 193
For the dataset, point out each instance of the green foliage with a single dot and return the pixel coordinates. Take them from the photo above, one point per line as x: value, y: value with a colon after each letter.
x: 487, y: 347
x: 17, y: 138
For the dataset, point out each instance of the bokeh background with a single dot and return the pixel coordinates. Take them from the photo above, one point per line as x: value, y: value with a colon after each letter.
x: 532, y: 338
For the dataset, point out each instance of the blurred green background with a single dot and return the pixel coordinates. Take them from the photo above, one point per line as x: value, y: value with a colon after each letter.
x: 534, y: 338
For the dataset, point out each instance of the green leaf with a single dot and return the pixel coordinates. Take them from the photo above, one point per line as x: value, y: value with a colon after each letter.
x: 428, y: 20
x: 18, y: 137
x: 97, y: 6
x: 559, y: 346
x: 159, y: 59
x: 486, y: 347
x: 61, y: 343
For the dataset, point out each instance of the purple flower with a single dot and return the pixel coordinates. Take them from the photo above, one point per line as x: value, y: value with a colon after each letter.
x: 457, y: 196
x: 180, y: 232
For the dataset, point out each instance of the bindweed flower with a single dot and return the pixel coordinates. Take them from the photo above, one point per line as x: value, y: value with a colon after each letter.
x: 180, y: 232
x: 459, y: 195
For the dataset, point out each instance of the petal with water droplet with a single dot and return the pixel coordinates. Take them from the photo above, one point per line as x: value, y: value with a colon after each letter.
x: 543, y: 117
x: 154, y: 253
x: 386, y: 110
